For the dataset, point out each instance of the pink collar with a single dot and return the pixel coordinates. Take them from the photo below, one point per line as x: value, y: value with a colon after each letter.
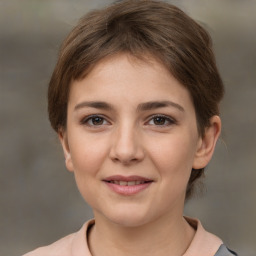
x: 203, y: 243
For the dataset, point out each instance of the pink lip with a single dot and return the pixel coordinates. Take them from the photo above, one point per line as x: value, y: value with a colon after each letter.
x: 127, y: 190
x: 126, y: 178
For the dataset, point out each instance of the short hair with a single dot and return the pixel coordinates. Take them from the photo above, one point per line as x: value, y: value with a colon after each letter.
x: 140, y: 28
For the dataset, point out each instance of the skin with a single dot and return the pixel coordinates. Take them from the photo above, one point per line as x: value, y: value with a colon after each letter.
x: 127, y: 137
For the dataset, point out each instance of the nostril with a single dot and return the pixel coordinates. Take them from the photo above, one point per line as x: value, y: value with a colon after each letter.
x: 125, y: 161
x: 126, y: 150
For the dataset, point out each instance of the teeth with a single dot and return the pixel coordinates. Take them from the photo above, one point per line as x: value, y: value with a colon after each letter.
x: 127, y: 183
x: 131, y: 183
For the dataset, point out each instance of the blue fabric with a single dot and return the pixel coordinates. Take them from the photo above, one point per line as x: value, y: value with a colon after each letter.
x: 224, y: 251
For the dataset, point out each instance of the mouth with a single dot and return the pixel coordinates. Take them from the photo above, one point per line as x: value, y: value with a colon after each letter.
x: 127, y: 185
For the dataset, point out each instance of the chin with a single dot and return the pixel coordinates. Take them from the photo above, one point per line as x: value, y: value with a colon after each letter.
x: 129, y: 222
x: 129, y: 218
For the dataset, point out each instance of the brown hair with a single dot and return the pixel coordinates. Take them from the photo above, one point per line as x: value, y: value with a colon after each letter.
x: 140, y: 28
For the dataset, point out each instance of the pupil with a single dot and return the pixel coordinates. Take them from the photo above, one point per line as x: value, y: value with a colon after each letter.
x: 97, y: 120
x: 159, y: 120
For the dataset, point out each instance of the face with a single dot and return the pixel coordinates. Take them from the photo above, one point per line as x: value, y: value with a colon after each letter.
x: 131, y: 140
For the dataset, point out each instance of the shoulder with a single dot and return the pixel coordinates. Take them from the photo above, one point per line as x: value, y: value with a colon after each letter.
x: 61, y: 247
x: 205, y: 243
x: 224, y: 251
x: 73, y: 244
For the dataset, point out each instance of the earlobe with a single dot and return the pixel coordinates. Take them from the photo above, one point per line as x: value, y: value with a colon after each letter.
x: 64, y: 143
x: 206, y: 144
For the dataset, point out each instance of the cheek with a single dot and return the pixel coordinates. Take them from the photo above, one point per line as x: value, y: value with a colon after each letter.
x: 174, y: 155
x: 173, y: 158
x: 87, y: 154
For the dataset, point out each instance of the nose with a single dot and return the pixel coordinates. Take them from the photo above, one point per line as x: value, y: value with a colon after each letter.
x: 127, y: 146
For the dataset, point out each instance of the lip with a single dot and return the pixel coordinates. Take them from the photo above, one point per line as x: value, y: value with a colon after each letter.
x: 127, y: 178
x: 127, y: 190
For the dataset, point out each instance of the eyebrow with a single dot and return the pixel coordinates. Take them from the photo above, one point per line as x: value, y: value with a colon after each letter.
x: 94, y: 104
x: 159, y: 104
x: 141, y: 107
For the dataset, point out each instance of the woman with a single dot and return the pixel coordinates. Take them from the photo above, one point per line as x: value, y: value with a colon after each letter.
x: 134, y: 99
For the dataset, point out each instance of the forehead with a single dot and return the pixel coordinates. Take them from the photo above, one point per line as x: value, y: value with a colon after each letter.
x: 127, y: 77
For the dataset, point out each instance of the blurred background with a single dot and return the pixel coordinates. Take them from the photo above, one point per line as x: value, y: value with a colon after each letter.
x: 39, y: 202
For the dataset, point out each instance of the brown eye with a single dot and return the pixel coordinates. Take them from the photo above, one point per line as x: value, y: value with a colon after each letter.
x: 159, y: 120
x: 97, y: 120
x: 94, y: 120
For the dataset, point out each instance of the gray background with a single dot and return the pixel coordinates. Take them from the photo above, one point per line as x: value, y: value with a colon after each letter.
x: 39, y: 202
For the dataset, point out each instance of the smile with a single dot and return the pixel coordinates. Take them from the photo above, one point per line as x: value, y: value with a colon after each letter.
x: 127, y: 186
x: 127, y: 183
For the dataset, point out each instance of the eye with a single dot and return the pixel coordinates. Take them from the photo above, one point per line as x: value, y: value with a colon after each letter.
x: 94, y: 120
x: 161, y: 120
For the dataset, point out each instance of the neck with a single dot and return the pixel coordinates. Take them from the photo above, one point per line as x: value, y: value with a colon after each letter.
x: 160, y: 237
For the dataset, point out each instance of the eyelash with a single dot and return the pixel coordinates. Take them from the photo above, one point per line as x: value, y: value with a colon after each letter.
x: 169, y: 120
x: 86, y: 120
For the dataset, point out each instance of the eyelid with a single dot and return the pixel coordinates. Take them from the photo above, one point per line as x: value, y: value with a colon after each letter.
x: 170, y: 119
x: 84, y: 120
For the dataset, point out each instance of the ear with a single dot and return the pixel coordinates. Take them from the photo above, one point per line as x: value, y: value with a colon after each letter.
x: 64, y: 142
x: 206, y: 144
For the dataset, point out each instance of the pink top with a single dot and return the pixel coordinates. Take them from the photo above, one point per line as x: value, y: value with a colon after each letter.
x: 203, y: 243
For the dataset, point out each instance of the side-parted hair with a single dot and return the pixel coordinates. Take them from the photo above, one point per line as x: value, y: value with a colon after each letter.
x: 140, y: 28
